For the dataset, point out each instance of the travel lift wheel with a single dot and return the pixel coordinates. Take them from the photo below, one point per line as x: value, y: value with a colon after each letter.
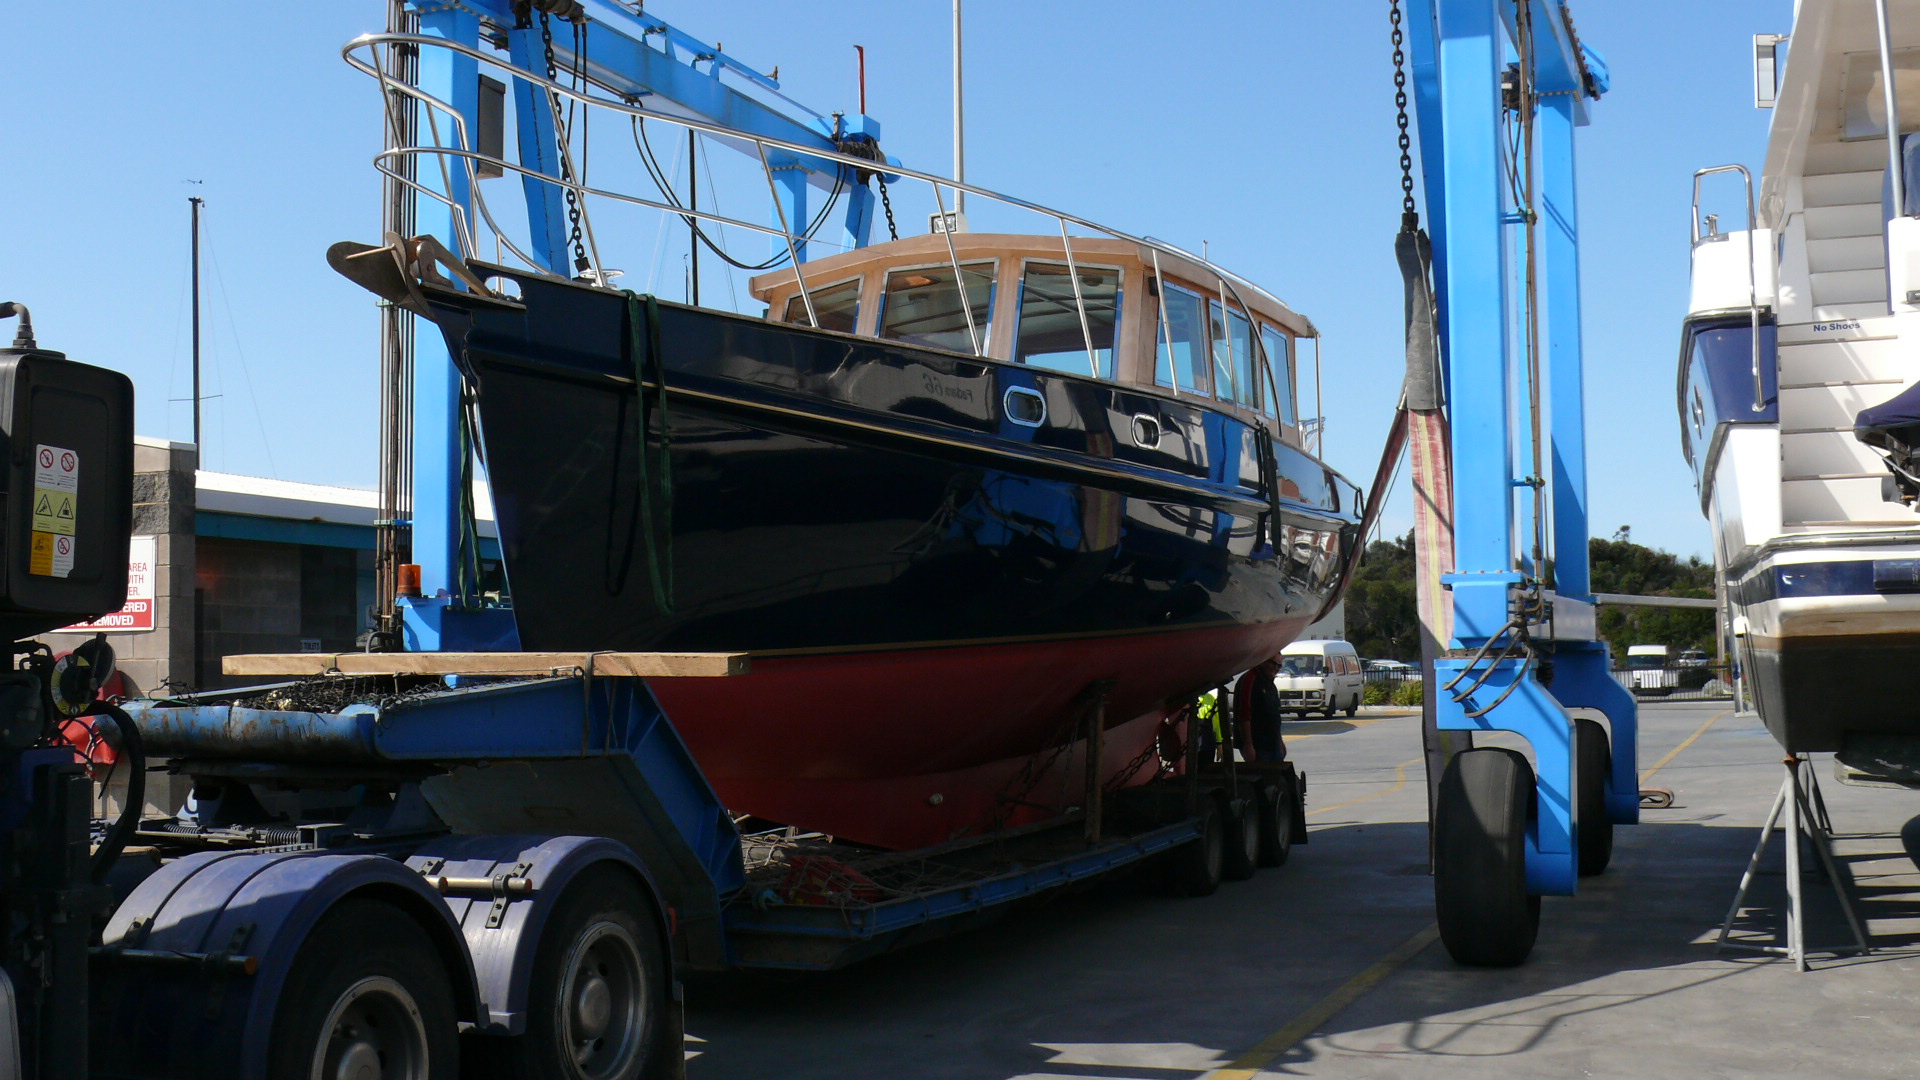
x: 367, y: 995
x: 1594, y: 760
x: 1241, y: 845
x: 1486, y: 915
x: 1278, y: 810
x: 1194, y: 868
x: 598, y: 990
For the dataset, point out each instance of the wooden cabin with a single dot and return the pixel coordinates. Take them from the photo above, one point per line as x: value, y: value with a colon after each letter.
x: 1208, y: 345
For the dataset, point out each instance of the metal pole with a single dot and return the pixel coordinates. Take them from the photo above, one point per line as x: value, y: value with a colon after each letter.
x: 693, y: 226
x: 960, y: 122
x: 1886, y: 85
x: 199, y: 455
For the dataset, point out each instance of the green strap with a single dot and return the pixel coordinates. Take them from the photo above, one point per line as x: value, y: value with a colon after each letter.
x: 648, y: 365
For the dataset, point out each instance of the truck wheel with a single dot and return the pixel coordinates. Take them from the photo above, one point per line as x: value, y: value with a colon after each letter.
x: 1354, y: 705
x: 1593, y: 761
x: 1486, y: 915
x: 1240, y: 847
x: 599, y: 985
x: 1277, y: 810
x: 1194, y: 868
x: 367, y: 995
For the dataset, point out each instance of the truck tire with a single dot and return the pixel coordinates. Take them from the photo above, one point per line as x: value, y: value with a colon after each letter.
x: 1194, y: 868
x: 1487, y: 918
x: 367, y: 993
x: 1278, y: 808
x: 1240, y: 848
x: 1592, y: 762
x: 598, y: 996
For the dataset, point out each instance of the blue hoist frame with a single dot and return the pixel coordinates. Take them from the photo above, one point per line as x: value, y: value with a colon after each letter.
x: 1459, y: 50
x: 653, y: 64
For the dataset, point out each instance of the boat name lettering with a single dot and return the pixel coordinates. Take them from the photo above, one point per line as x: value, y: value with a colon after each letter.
x: 938, y: 388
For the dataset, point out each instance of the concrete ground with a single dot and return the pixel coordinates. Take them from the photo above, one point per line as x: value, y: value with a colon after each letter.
x: 1327, y: 966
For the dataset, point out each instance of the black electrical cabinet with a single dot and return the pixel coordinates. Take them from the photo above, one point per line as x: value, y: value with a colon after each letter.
x: 66, y: 507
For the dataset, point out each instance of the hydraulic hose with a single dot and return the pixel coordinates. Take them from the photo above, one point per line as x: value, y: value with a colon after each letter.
x: 122, y: 828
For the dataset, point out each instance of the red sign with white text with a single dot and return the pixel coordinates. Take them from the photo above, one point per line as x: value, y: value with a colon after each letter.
x: 138, y: 612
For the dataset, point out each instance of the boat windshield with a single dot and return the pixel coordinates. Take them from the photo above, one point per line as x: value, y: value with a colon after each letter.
x: 1303, y: 665
x: 1050, y: 331
x: 1184, y: 329
x: 838, y: 307
x: 922, y: 307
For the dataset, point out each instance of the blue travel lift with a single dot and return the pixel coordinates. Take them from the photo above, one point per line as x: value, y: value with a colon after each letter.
x: 528, y: 828
x: 1500, y: 88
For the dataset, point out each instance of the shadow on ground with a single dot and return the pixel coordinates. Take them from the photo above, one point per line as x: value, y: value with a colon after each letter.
x: 1118, y: 981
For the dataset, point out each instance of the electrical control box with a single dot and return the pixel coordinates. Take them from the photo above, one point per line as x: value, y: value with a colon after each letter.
x: 66, y: 491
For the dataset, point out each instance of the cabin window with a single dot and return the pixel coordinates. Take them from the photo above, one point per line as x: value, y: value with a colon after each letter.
x: 1180, y: 341
x: 922, y: 307
x: 1232, y: 355
x: 1050, y: 332
x: 836, y: 306
x: 1280, y: 367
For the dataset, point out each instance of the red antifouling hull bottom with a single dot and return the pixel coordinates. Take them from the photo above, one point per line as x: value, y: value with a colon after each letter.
x: 913, y: 747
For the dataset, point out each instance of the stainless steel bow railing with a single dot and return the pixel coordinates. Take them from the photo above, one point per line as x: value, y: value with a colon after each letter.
x: 377, y: 62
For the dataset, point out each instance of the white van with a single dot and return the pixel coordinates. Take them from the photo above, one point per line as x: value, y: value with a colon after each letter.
x: 1650, y: 672
x: 1319, y: 676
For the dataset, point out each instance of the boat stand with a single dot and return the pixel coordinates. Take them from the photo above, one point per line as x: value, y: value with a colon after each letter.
x: 1806, y: 815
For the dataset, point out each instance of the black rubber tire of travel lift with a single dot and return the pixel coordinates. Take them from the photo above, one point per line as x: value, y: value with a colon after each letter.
x: 1487, y: 918
x: 605, y: 913
x: 1278, y: 808
x: 1240, y: 847
x: 1593, y: 761
x: 1194, y: 868
x: 368, y: 959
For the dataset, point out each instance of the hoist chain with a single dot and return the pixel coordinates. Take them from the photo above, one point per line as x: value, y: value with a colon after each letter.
x: 580, y: 262
x: 1411, y: 214
x: 887, y: 205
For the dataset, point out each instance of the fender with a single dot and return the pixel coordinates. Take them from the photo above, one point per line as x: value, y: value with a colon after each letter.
x: 502, y: 944
x: 186, y: 1019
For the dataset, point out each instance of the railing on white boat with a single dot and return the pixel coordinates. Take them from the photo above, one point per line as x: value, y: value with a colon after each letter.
x: 395, y: 159
x: 1753, y: 283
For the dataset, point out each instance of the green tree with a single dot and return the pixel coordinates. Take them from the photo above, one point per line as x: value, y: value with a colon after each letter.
x: 1622, y: 566
x: 1383, y: 617
x: 1383, y: 621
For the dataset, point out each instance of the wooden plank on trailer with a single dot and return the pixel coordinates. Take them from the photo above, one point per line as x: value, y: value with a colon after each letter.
x: 684, y: 665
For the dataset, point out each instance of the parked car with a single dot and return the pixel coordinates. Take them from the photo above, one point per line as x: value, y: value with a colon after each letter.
x: 1392, y: 669
x: 1320, y: 676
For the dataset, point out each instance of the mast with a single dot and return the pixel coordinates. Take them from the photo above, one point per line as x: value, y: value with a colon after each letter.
x: 693, y: 223
x: 959, y: 121
x: 196, y: 203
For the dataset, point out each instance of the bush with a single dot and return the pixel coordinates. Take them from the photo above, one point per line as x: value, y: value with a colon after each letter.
x: 1409, y: 693
x: 1376, y: 694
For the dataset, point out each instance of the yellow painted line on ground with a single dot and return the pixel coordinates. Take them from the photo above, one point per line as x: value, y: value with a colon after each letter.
x: 1675, y: 752
x: 1399, y: 781
x: 1269, y: 1049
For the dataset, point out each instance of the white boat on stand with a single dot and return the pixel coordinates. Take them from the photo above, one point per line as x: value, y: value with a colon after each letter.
x: 1797, y: 324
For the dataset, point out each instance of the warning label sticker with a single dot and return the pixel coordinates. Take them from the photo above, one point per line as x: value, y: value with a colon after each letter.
x: 53, y: 511
x: 41, y: 560
x: 56, y: 486
x: 56, y: 467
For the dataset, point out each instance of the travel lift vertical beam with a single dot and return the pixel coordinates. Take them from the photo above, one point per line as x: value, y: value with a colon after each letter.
x: 662, y: 77
x: 1521, y: 658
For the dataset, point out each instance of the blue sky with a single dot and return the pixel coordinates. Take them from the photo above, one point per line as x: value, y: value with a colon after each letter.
x: 1264, y: 129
